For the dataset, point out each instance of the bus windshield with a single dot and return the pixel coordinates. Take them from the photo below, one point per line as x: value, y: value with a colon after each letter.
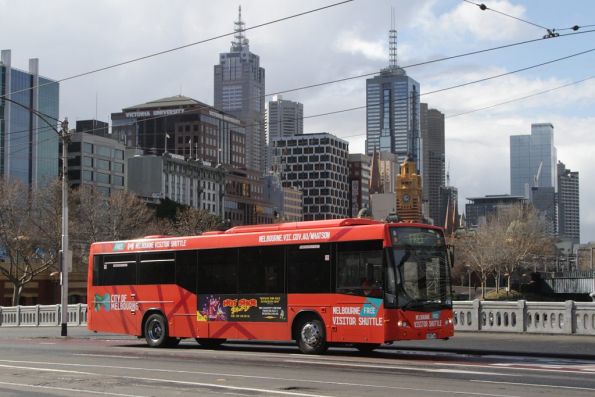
x: 422, y: 270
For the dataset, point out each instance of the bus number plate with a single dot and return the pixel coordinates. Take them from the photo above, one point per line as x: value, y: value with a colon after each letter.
x: 431, y: 335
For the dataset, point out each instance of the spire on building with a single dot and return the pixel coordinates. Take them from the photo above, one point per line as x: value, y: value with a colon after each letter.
x: 376, y: 185
x: 392, y: 41
x: 239, y: 27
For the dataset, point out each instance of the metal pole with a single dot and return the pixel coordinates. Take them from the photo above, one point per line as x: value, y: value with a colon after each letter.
x: 469, y: 273
x: 64, y: 263
x: 592, y: 277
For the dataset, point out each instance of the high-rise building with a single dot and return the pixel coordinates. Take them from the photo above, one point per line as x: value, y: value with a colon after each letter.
x: 433, y: 177
x: 568, y: 204
x: 532, y: 160
x: 449, y: 209
x: 182, y: 126
x: 543, y: 199
x: 28, y: 145
x: 95, y: 159
x: 239, y: 90
x: 478, y: 209
x: 284, y: 118
x: 317, y: 165
x: 359, y: 182
x: 393, y: 112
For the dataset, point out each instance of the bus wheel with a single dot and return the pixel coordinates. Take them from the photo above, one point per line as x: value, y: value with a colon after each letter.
x: 311, y: 336
x: 367, y: 347
x: 156, y: 331
x: 210, y: 343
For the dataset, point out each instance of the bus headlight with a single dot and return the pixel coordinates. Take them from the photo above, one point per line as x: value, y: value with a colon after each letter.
x: 448, y: 321
x: 402, y: 323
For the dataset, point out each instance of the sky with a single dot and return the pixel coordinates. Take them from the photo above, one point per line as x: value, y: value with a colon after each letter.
x: 71, y: 37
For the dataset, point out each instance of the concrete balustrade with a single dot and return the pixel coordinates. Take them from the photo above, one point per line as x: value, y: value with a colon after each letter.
x: 521, y: 316
x: 41, y: 315
x: 480, y: 316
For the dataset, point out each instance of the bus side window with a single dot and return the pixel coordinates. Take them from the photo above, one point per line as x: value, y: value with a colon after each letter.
x: 217, y: 271
x: 360, y: 268
x: 261, y: 270
x: 309, y: 268
x: 186, y: 270
x: 97, y: 265
x: 156, y: 268
x: 118, y: 269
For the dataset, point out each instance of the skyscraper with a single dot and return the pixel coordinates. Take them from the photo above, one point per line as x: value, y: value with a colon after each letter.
x: 28, y: 145
x: 239, y: 90
x: 393, y: 111
x: 284, y: 118
x: 568, y: 204
x: 433, y: 177
x: 532, y: 160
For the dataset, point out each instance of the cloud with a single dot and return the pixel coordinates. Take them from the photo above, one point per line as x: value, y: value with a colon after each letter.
x: 350, y: 43
x: 467, y: 21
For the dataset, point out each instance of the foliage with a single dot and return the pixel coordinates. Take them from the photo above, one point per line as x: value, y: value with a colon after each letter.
x: 503, y: 244
x: 29, y: 237
x: 191, y: 221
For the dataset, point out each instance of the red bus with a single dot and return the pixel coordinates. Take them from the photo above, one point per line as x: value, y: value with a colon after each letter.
x: 356, y: 282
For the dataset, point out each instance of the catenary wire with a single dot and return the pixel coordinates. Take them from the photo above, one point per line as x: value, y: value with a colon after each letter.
x: 182, y: 47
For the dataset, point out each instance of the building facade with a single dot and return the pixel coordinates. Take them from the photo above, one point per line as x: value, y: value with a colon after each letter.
x: 28, y: 144
x: 533, y: 160
x: 185, y: 127
x: 287, y: 201
x: 359, y: 182
x: 568, y: 204
x: 245, y: 201
x: 317, y: 165
x: 543, y: 199
x: 478, y: 209
x: 171, y: 176
x: 433, y: 144
x: 239, y: 90
x: 393, y: 111
x: 96, y: 160
x: 284, y: 118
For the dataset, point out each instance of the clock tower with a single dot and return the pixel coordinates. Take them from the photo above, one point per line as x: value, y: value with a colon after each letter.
x: 409, y: 193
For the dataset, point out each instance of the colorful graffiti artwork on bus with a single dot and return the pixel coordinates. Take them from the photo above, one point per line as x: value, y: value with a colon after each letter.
x: 242, y: 308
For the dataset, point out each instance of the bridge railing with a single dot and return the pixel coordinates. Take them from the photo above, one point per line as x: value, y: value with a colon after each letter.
x: 41, y: 315
x: 528, y: 317
x: 480, y: 316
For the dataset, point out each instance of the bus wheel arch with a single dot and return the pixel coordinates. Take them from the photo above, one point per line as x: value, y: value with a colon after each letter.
x: 309, y: 331
x: 155, y: 329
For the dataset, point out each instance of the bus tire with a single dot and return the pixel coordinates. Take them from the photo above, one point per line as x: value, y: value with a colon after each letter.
x: 156, y: 332
x: 210, y: 343
x: 311, y: 336
x: 366, y: 347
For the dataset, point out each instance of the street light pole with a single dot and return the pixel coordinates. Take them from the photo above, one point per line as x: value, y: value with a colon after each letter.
x: 64, y: 257
x: 64, y: 265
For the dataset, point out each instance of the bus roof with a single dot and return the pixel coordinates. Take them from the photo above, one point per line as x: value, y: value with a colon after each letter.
x: 302, y: 225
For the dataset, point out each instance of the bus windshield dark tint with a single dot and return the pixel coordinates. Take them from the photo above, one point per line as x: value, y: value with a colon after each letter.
x: 423, y: 274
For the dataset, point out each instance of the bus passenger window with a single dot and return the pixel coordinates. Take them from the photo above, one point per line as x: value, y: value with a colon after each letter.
x: 261, y: 270
x: 217, y: 271
x: 309, y: 268
x: 360, y: 268
x: 156, y: 268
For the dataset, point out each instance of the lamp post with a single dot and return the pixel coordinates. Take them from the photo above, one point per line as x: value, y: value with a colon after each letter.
x: 469, y: 280
x: 63, y: 134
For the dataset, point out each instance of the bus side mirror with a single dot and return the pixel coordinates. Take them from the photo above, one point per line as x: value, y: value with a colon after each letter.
x: 451, y: 255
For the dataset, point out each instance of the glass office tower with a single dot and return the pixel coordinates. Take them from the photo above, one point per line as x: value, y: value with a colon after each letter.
x: 29, y: 145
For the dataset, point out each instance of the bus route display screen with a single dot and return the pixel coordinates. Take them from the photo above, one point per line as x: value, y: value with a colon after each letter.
x: 415, y: 237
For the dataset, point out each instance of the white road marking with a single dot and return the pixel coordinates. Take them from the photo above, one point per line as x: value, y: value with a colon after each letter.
x: 103, y: 393
x: 105, y: 355
x: 431, y: 370
x: 245, y: 377
x: 178, y: 382
x: 535, y: 385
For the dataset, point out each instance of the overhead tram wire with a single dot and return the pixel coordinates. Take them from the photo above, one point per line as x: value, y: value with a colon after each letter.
x: 523, y: 97
x: 181, y: 47
x: 551, y: 32
x: 485, y: 107
x: 197, y: 109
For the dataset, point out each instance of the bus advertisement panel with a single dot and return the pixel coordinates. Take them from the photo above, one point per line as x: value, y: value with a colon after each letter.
x: 356, y: 282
